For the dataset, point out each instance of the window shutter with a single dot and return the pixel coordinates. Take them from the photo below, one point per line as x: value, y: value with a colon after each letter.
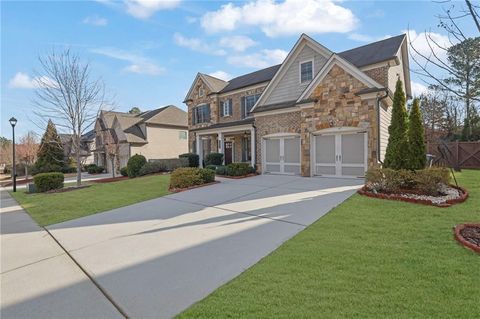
x: 243, y: 107
x: 221, y: 109
x: 208, y: 113
x: 230, y: 107
x: 194, y: 115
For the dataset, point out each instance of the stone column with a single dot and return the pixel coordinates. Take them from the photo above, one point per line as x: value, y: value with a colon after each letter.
x: 221, y: 145
x: 252, y: 145
x: 199, y: 150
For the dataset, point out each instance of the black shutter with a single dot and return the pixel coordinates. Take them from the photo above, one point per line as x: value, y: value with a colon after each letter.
x: 230, y: 107
x: 208, y: 113
x: 194, y: 115
x: 221, y: 109
x: 243, y: 107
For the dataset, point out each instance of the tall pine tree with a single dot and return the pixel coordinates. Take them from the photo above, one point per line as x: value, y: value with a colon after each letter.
x: 396, y: 156
x: 416, y: 138
x: 50, y: 157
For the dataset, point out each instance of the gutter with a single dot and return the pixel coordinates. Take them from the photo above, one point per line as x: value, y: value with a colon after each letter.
x: 378, y: 100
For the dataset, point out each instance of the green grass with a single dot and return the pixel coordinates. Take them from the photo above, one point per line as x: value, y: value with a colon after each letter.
x: 47, y: 209
x: 368, y: 258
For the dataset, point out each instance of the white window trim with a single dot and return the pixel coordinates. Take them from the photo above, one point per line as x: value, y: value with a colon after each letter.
x: 201, y: 91
x: 300, y: 71
x: 226, y: 103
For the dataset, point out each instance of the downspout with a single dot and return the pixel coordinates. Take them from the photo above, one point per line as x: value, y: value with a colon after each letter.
x: 379, y: 99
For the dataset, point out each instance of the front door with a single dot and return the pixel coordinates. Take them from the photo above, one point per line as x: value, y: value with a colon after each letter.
x: 340, y: 154
x: 228, y: 152
x: 282, y: 155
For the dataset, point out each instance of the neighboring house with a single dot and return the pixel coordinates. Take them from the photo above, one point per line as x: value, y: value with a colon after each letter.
x: 87, y: 146
x: 156, y: 134
x: 318, y: 113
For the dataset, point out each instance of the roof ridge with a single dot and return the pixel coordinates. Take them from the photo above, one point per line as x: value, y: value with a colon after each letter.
x: 370, y: 43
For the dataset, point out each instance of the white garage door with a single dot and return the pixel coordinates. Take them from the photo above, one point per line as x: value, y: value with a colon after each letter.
x: 282, y: 155
x: 340, y: 154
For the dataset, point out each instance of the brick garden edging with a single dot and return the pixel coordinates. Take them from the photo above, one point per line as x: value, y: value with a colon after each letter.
x: 178, y: 190
x: 462, y: 240
x: 463, y: 197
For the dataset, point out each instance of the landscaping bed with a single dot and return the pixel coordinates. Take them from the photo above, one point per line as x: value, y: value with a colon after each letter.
x: 448, y: 196
x: 468, y: 235
x: 238, y: 177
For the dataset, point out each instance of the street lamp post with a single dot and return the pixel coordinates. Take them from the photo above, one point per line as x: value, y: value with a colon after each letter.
x: 13, y: 122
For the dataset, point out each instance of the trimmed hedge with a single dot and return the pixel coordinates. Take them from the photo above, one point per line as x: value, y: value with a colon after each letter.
x: 48, y: 181
x: 171, y: 164
x: 427, y: 181
x: 239, y: 169
x: 94, y: 169
x: 193, y: 159
x: 152, y: 168
x: 221, y: 170
x: 212, y: 167
x: 190, y: 176
x: 214, y: 159
x: 123, y: 171
x: 135, y: 164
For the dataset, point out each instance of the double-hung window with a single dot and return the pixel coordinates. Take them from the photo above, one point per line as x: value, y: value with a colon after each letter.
x: 306, y: 71
x: 226, y: 108
x: 247, y: 104
x: 201, y: 114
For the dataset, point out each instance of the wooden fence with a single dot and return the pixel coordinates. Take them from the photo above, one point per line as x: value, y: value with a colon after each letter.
x: 458, y: 154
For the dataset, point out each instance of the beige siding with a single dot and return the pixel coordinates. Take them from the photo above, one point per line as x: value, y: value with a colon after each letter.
x: 289, y: 88
x: 162, y: 143
x: 394, y: 72
x: 385, y: 119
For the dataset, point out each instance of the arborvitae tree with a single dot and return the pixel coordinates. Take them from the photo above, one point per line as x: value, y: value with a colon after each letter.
x: 396, y: 156
x: 416, y: 140
x: 50, y: 153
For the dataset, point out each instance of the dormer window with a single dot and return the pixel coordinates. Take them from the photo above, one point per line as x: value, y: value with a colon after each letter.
x: 200, y: 91
x: 306, y: 71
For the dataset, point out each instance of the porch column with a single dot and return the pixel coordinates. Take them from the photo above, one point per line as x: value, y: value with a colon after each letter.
x: 252, y: 145
x: 199, y: 150
x: 221, y: 145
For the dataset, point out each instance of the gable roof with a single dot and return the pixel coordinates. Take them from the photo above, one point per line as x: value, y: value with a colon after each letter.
x: 375, y: 52
x: 256, y: 77
x: 213, y: 84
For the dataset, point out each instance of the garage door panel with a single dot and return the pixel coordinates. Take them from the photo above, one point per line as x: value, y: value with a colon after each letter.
x: 353, y: 148
x: 272, y: 152
x: 292, y: 150
x: 324, y: 170
x: 292, y: 169
x: 353, y: 171
x: 282, y: 155
x: 272, y: 168
x: 325, y: 149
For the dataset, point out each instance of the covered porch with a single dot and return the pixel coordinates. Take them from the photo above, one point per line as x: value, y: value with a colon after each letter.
x: 237, y: 143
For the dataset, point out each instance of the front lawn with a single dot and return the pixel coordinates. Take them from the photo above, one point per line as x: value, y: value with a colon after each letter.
x: 49, y: 209
x: 368, y: 258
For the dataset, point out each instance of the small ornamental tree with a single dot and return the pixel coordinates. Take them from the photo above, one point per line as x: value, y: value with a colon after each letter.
x: 416, y: 140
x: 50, y: 157
x: 396, y: 156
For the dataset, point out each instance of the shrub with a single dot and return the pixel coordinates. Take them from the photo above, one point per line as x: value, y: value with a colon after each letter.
x: 416, y: 141
x: 238, y: 169
x: 68, y: 169
x: 124, y: 171
x: 171, y: 164
x: 214, y: 159
x: 152, y: 168
x: 185, y: 177
x: 46, y: 168
x: 48, y: 181
x: 135, y: 164
x: 221, y: 170
x: 212, y: 167
x: 208, y: 175
x: 94, y: 169
x: 193, y: 159
x: 427, y: 181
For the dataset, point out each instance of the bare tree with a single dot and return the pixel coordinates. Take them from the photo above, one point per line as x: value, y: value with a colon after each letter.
x: 69, y: 96
x: 111, y: 147
x: 27, y: 150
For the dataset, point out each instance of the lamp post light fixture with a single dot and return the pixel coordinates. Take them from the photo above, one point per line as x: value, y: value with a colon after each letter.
x: 13, y: 122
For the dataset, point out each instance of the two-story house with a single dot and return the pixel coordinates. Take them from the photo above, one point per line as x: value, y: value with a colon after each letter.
x: 318, y: 113
x: 156, y: 134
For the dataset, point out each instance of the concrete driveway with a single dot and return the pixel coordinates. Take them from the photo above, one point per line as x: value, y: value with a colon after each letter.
x: 156, y: 258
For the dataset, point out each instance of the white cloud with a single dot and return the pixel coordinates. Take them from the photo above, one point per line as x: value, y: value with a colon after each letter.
x: 96, y: 21
x: 24, y: 81
x: 290, y: 17
x: 420, y: 43
x: 418, y: 88
x: 262, y: 59
x: 221, y: 75
x: 144, y: 9
x: 139, y: 64
x: 196, y: 44
x: 237, y: 43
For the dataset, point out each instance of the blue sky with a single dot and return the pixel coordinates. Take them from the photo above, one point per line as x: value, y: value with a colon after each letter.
x: 148, y: 52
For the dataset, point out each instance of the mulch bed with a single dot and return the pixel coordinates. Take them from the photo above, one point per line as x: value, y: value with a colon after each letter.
x: 468, y: 235
x: 178, y: 190
x: 109, y: 180
x: 238, y: 177
x: 463, y: 197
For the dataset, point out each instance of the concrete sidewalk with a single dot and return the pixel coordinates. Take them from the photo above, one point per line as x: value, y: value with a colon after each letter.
x: 38, y: 279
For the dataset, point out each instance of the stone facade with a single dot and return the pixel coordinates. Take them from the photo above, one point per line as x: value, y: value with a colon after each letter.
x: 379, y: 74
